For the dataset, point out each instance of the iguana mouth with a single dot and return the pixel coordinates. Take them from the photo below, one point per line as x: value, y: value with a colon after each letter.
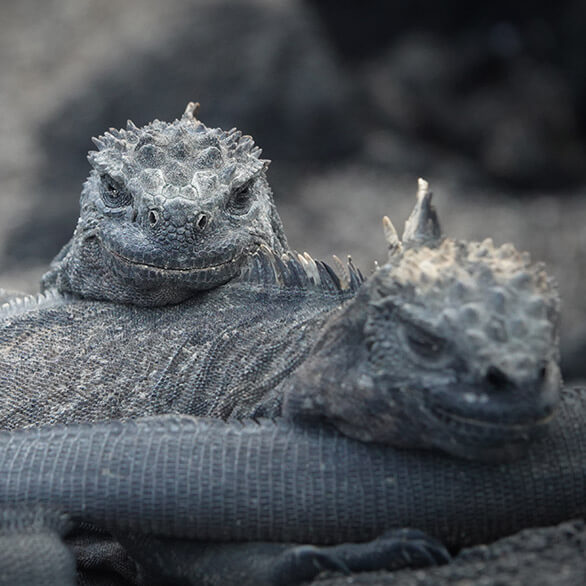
x: 454, y: 420
x: 182, y: 270
x: 234, y: 262
x: 489, y: 441
x: 480, y: 408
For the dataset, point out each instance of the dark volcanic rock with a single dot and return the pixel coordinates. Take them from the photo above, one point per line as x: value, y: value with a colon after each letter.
x: 484, y: 96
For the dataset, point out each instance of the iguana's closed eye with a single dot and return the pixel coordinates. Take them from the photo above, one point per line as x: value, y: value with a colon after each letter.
x: 423, y: 343
x: 113, y: 195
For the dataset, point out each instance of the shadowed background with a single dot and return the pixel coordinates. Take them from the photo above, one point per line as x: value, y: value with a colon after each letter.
x: 351, y: 101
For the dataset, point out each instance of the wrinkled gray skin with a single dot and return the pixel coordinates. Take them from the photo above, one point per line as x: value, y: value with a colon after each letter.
x: 287, y: 336
x: 290, y: 337
x: 450, y: 345
x: 168, y: 209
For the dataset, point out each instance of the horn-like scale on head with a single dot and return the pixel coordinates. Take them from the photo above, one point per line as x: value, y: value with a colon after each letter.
x: 191, y: 158
x: 422, y: 227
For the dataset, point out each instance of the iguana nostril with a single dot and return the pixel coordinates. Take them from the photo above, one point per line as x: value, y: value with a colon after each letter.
x: 153, y: 217
x: 497, y: 379
x: 201, y: 221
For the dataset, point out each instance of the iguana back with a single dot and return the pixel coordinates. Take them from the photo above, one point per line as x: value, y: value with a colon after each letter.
x: 222, y: 353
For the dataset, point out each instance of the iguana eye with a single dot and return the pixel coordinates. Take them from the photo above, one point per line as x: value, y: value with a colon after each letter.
x: 241, y: 200
x: 113, y: 195
x: 425, y: 344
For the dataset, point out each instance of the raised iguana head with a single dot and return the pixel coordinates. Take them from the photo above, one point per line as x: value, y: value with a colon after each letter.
x: 451, y: 345
x: 168, y: 209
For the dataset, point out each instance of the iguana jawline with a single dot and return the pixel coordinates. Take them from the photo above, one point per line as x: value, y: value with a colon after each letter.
x: 236, y: 261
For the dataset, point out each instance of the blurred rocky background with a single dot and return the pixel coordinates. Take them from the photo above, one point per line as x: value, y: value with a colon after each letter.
x: 352, y: 102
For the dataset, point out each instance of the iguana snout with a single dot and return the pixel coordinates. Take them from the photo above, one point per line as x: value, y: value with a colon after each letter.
x: 177, y: 235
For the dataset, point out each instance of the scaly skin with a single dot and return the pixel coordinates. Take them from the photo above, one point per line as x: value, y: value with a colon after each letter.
x: 450, y: 345
x: 237, y: 351
x: 229, y: 483
x: 168, y: 209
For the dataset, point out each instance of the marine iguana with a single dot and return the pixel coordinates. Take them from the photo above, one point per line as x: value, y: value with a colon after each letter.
x: 131, y: 361
x: 450, y: 345
x: 292, y: 315
x: 168, y: 209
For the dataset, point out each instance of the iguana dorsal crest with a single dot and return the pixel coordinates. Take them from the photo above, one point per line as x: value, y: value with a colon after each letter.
x: 301, y: 271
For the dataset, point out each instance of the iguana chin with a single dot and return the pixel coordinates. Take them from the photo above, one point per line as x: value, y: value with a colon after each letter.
x: 168, y: 209
x: 451, y: 344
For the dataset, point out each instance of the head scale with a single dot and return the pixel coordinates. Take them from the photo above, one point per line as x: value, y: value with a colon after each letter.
x: 487, y: 295
x: 186, y: 156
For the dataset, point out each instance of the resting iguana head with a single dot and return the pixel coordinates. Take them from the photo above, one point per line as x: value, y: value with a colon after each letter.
x: 168, y: 209
x: 451, y: 344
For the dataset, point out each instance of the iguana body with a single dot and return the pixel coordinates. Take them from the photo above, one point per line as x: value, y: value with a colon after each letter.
x: 223, y: 353
x: 91, y: 471
x: 450, y: 344
x: 197, y: 358
x: 285, y: 335
x: 179, y: 477
x: 288, y: 339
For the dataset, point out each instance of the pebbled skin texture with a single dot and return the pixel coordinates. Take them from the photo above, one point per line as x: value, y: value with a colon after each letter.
x: 196, y: 358
x: 385, y: 361
x: 168, y: 209
x: 270, y: 343
x: 333, y: 489
x: 450, y: 345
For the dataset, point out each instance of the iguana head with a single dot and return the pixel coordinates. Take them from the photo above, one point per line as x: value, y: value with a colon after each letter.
x: 451, y: 345
x: 168, y: 209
